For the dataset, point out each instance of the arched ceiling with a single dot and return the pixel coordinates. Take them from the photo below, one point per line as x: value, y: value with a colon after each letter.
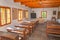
x: 39, y: 3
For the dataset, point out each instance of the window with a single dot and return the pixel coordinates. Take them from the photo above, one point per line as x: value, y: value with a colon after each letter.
x: 8, y: 16
x: 5, y: 16
x: 26, y: 14
x: 44, y: 14
x: 3, y: 21
x: 20, y: 17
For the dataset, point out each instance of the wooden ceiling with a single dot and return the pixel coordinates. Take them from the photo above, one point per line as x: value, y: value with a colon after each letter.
x: 39, y: 3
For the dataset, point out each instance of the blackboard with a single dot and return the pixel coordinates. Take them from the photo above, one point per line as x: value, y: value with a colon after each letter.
x: 33, y: 15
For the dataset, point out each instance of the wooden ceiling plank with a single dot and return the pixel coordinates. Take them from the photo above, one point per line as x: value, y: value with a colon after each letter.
x: 39, y: 3
x: 26, y: 0
x: 50, y: 1
x: 35, y: 1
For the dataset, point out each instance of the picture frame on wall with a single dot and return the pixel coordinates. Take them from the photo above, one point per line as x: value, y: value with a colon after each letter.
x: 54, y: 12
x: 44, y: 14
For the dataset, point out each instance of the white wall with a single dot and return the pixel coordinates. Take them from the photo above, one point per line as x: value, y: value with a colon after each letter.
x: 48, y: 10
x: 12, y: 4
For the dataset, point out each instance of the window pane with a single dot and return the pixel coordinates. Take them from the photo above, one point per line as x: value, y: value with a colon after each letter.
x: 27, y: 14
x: 2, y: 13
x: 20, y: 15
x: 3, y: 21
x: 8, y: 15
x: 44, y: 14
x: 8, y: 20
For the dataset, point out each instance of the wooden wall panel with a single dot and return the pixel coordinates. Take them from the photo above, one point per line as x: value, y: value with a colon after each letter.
x: 14, y: 13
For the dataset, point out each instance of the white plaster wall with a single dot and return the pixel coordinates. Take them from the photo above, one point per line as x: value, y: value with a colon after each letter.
x: 12, y: 4
x: 48, y: 10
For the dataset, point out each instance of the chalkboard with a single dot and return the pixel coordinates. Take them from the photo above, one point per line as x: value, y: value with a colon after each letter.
x: 33, y: 15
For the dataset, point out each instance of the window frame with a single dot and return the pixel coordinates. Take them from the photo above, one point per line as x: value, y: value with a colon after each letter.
x: 20, y: 14
x: 46, y: 14
x: 10, y: 18
x: 5, y: 16
x: 26, y: 15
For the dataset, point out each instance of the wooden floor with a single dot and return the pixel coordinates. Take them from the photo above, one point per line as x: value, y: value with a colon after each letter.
x: 40, y: 34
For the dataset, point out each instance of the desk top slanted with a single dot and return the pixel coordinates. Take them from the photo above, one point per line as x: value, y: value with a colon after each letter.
x: 8, y: 35
x: 53, y: 28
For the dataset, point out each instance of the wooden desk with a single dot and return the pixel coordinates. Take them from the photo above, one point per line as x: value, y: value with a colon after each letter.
x: 53, y: 28
x: 8, y: 36
x: 22, y: 32
x: 27, y: 29
x: 29, y: 26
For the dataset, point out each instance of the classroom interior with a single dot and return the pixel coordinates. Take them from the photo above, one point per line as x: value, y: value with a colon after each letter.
x: 29, y: 19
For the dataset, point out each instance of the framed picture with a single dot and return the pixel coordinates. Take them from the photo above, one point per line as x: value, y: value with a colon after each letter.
x: 54, y: 12
x: 44, y: 14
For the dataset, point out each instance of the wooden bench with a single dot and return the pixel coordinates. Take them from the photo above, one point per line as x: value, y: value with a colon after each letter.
x: 53, y: 28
